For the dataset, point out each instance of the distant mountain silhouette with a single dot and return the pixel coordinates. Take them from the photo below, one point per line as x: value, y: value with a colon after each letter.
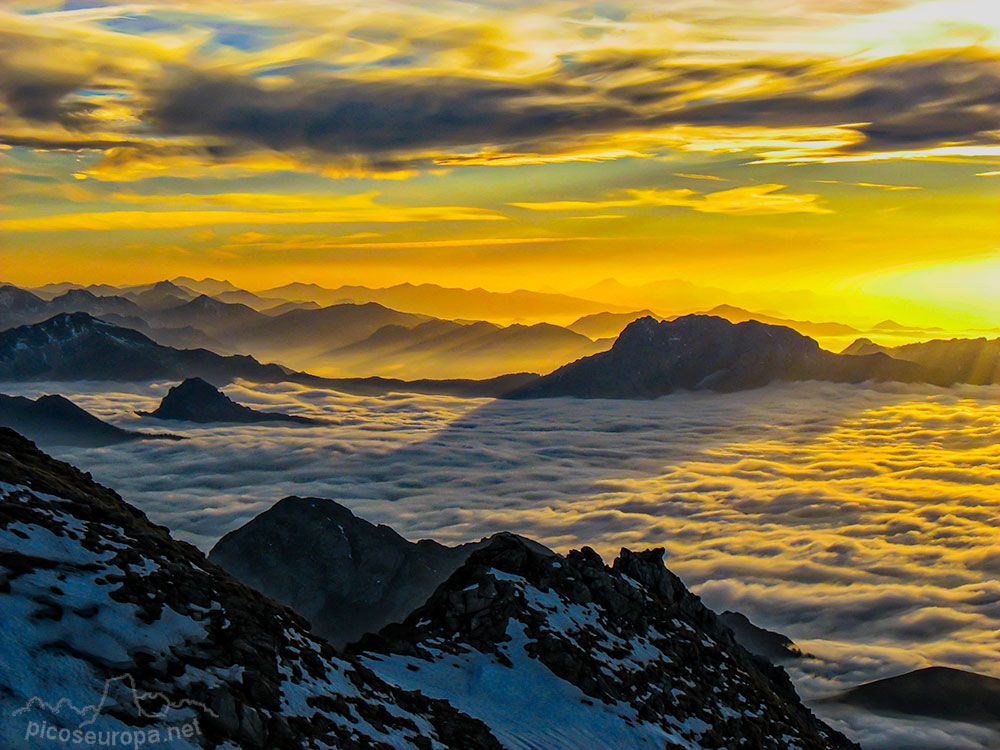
x: 446, y: 302
x: 80, y: 347
x: 82, y: 300
x: 196, y: 400
x: 77, y: 346
x: 607, y: 324
x: 18, y: 304
x: 55, y: 420
x: 974, y: 361
x: 439, y: 348
x: 936, y: 692
x: 805, y: 327
x: 299, y: 335
x: 209, y: 315
x: 160, y: 296
x: 204, y: 286
x: 700, y: 352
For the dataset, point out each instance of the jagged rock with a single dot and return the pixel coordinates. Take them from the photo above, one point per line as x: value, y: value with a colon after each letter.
x: 565, y: 652
x: 196, y: 400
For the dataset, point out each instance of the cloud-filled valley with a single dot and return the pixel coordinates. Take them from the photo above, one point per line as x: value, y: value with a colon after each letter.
x: 858, y: 520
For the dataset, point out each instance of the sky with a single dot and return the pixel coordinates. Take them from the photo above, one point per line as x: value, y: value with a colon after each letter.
x: 847, y: 148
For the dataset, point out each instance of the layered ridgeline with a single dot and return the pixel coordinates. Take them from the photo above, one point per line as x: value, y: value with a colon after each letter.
x: 112, y: 626
x: 974, y: 361
x: 78, y: 346
x: 699, y: 352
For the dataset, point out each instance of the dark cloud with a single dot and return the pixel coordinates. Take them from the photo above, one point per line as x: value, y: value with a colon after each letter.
x: 396, y: 115
x: 908, y: 102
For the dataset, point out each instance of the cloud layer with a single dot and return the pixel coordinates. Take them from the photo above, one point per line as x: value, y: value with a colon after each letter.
x: 415, y: 85
x: 859, y: 521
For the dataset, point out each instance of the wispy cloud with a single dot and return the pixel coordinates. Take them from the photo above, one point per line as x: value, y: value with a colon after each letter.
x: 267, y: 209
x: 752, y: 200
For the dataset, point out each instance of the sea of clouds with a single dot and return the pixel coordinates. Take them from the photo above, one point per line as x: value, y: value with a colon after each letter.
x: 859, y: 520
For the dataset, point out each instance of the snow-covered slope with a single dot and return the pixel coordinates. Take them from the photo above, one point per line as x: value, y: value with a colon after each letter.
x: 563, y: 653
x: 112, y: 626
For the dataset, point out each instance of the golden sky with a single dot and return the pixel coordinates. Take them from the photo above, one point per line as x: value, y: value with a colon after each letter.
x: 847, y: 147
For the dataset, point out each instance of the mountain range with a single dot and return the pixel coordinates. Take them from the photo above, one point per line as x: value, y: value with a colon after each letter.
x: 337, y: 332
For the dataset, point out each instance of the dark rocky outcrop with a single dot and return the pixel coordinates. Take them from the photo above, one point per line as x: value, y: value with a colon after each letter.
x: 937, y: 692
x: 196, y: 400
x: 772, y: 646
x: 55, y: 420
x: 699, y: 352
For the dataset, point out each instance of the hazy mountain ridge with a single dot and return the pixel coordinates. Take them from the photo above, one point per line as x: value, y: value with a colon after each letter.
x: 652, y: 359
x: 959, y: 360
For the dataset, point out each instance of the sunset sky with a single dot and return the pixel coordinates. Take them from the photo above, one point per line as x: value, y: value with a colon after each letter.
x: 847, y: 147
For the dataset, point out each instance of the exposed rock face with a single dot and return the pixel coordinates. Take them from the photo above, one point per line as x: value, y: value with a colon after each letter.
x: 196, y: 400
x: 347, y: 576
x: 564, y: 653
x: 698, y: 352
x: 772, y: 646
x: 54, y: 420
x: 102, y: 608
x: 939, y: 692
x: 76, y: 346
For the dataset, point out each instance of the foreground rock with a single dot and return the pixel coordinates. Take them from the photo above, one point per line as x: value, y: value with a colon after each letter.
x: 565, y: 653
x: 111, y: 626
x: 699, y: 352
x: 196, y: 400
x: 55, y: 420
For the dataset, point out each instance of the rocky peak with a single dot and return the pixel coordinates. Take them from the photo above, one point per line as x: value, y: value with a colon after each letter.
x: 644, y: 662
x: 106, y: 616
x: 197, y: 400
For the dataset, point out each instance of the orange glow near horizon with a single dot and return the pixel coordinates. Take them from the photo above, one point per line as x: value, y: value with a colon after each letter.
x: 750, y: 150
